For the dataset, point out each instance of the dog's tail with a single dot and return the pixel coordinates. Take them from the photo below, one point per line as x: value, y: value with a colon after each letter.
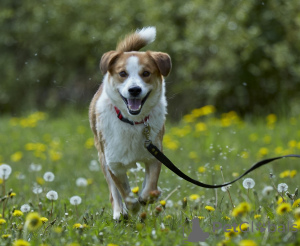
x: 137, y: 40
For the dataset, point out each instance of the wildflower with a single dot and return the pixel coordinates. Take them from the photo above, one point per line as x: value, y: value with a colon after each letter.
x: 16, y: 156
x: 285, y: 174
x: 52, y: 195
x: 163, y: 203
x: 2, y: 221
x: 94, y: 166
x: 12, y: 194
x: 241, y: 209
x: 168, y: 217
x: 280, y: 200
x: 112, y: 244
x: 6, y: 236
x: 231, y: 233
x: 44, y: 220
x: 89, y: 143
x: 169, y: 204
x: 25, y: 208
x: 283, y: 208
x: 209, y: 208
x: 282, y: 187
x: 245, y: 154
x: 247, y: 242
x: 297, y: 223
x: 135, y: 190
x: 75, y: 200
x: 33, y: 221
x: 193, y: 155
x: 263, y: 151
x: 257, y: 216
x: 235, y: 174
x: 77, y: 226
x: 194, y: 197
x: 5, y: 171
x: 201, y: 217
x: 227, y: 218
x: 40, y: 180
x: 201, y: 169
x: 184, y: 203
x: 201, y: 127
x: 297, y: 213
x: 293, y: 173
x: 296, y: 203
x: 21, y: 242
x: 37, y: 189
x: 35, y: 167
x: 17, y: 213
x: 225, y: 188
x: 49, y: 176
x: 81, y: 182
x: 267, y: 190
x: 248, y: 183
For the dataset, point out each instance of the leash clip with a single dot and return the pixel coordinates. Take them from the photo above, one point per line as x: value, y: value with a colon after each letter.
x: 146, y: 133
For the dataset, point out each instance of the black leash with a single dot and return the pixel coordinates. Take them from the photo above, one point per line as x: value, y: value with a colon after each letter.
x: 164, y: 160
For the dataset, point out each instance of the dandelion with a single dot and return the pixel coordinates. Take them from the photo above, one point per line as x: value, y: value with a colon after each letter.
x: 293, y: 173
x: 37, y: 189
x: 247, y: 242
x: 163, y: 203
x: 225, y: 188
x: 52, y: 195
x: 16, y: 156
x: 201, y: 169
x: 267, y: 190
x: 201, y: 217
x: 94, y: 166
x: 5, y: 236
x: 21, y: 242
x: 297, y: 213
x: 35, y: 167
x: 282, y: 187
x: 241, y: 209
x: 231, y: 233
x: 285, y: 174
x: 81, y: 182
x: 77, y: 226
x: 44, y: 220
x: 227, y: 218
x: 283, y: 208
x: 296, y: 203
x: 17, y: 213
x: 2, y: 221
x: 194, y: 197
x: 135, y: 190
x: 257, y: 216
x: 49, y: 176
x: 5, y: 171
x: 75, y: 200
x: 209, y: 208
x: 248, y: 183
x: 25, y: 208
x: 33, y: 221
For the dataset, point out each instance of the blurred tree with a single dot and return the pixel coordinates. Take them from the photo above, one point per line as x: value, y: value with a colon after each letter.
x: 238, y: 55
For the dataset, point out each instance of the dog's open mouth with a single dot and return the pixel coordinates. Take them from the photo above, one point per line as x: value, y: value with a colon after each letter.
x: 134, y: 105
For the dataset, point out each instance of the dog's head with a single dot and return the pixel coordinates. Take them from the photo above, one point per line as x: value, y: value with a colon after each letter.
x: 134, y: 79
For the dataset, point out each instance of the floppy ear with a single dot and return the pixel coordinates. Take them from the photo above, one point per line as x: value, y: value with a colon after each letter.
x: 163, y: 62
x: 107, y: 60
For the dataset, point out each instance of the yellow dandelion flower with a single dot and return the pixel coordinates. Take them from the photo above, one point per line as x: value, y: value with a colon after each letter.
x: 55, y: 155
x: 241, y: 209
x: 40, y: 180
x: 73, y: 244
x: 278, y: 150
x: 90, y: 181
x: 253, y: 137
x: 257, y: 216
x: 237, y: 212
x: 297, y: 223
x: 6, y: 236
x: 247, y: 242
x: 293, y: 173
x: 208, y: 109
x: 21, y: 242
x: 168, y: 217
x: 44, y: 220
x: 17, y: 213
x: 263, y: 151
x: 245, y: 155
x: 189, y: 118
x: 12, y: 194
x: 292, y: 143
x: 33, y: 221
x: 267, y: 139
x: 283, y: 208
x: 217, y: 167
x: 245, y: 206
x: 194, y: 197
x: 163, y: 203
x: 285, y: 174
x: 209, y: 208
x: 271, y: 119
x: 112, y: 244
x: 201, y: 169
x: 58, y: 229
x: 2, y: 221
x: 89, y: 143
x: 242, y: 228
x: 200, y: 127
x: 193, y: 155
x: 297, y: 213
x: 235, y: 174
x: 280, y: 200
x: 16, y: 156
x: 227, y: 218
x: 201, y: 217
x: 77, y: 225
x: 231, y: 233
x: 296, y: 203
x: 135, y: 190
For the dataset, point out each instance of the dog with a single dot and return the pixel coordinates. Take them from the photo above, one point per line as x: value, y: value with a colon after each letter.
x: 131, y: 95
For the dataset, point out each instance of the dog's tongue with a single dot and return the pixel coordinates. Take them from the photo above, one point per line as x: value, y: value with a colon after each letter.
x: 134, y: 104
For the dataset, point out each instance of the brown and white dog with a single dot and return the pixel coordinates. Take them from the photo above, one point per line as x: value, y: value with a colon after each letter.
x: 132, y: 92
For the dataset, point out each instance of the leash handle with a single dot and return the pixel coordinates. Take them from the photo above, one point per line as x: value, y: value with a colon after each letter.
x: 164, y: 160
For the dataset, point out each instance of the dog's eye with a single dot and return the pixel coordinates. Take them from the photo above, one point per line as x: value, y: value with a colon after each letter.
x: 123, y: 74
x: 146, y: 74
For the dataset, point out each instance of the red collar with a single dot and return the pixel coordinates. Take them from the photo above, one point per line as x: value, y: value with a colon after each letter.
x: 122, y: 118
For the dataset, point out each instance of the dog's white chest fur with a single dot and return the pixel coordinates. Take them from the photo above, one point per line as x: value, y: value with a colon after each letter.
x: 124, y: 143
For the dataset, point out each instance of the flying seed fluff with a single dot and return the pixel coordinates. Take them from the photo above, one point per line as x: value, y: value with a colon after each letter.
x: 137, y: 40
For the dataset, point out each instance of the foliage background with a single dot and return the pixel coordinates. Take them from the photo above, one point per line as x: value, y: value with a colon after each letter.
x: 237, y: 55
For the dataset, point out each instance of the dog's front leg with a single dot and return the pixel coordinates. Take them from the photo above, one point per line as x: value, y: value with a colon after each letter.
x: 150, y: 183
x: 119, y: 176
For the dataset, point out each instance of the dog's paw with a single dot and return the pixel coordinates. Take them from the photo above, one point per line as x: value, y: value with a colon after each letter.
x: 120, y: 214
x: 149, y: 198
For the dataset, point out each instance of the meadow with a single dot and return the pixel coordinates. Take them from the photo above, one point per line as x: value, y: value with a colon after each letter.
x: 53, y: 159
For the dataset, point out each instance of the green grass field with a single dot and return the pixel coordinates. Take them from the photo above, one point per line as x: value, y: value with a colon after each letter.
x: 200, y: 145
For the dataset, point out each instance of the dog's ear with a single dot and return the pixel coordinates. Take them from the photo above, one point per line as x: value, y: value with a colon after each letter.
x: 163, y: 62
x: 107, y: 60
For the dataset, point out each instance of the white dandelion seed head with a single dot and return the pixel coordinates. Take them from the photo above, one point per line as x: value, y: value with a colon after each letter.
x: 225, y: 188
x: 248, y: 183
x: 35, y: 167
x: 25, y: 208
x: 49, y: 176
x: 52, y: 195
x: 81, y: 182
x: 94, y: 166
x: 5, y: 171
x: 20, y: 176
x: 75, y: 200
x: 37, y: 189
x: 169, y: 204
x: 282, y: 187
x: 267, y: 190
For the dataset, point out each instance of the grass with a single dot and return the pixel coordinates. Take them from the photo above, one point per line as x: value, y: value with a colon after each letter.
x: 200, y: 145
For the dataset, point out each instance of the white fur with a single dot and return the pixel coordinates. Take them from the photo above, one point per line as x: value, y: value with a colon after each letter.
x: 147, y: 33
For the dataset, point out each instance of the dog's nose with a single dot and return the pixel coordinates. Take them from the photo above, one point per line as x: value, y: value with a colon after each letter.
x: 135, y: 91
